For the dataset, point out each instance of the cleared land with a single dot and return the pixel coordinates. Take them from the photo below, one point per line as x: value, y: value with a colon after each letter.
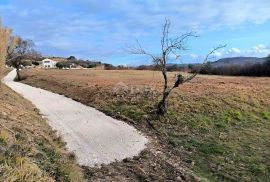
x: 219, y: 127
x: 29, y: 149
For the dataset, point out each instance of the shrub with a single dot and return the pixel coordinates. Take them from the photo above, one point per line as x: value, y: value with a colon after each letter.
x: 63, y: 64
x: 35, y: 63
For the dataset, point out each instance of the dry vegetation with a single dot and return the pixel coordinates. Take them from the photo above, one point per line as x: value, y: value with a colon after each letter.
x: 219, y: 127
x: 4, y: 35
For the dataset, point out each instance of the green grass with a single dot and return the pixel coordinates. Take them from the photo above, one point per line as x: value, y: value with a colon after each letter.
x: 227, y: 137
x: 265, y: 115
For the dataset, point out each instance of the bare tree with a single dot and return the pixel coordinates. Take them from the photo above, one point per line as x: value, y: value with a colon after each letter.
x: 18, y: 50
x: 170, y: 47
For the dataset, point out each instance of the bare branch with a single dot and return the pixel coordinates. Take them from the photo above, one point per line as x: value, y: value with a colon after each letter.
x: 165, y: 35
x: 212, y: 52
x: 178, y: 44
x: 139, y: 50
x: 204, y: 62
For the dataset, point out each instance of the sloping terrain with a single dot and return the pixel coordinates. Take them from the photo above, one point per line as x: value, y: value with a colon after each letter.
x: 217, y: 126
x: 29, y: 149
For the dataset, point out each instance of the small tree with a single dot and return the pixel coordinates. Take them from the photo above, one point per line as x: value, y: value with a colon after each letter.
x: 170, y: 47
x: 18, y: 50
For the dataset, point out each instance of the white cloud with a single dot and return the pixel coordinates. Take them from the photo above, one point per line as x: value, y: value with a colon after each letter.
x: 235, y: 50
x: 218, y: 53
x: 259, y: 50
x: 194, y: 56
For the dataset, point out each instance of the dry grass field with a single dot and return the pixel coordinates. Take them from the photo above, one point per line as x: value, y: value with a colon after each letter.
x: 219, y: 127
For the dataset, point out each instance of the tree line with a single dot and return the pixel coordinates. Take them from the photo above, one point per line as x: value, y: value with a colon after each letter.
x: 257, y: 69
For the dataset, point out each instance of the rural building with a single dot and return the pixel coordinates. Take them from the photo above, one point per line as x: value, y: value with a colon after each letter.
x: 48, y: 63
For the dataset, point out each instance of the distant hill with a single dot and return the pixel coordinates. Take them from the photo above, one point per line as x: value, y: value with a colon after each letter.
x: 237, y: 61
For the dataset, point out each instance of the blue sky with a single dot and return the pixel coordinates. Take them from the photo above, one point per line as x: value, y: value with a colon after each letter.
x: 102, y: 30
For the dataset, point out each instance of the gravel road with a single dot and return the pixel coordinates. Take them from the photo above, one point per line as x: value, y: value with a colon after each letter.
x: 94, y: 137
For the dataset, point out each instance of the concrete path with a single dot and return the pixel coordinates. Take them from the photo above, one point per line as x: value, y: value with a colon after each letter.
x: 94, y: 137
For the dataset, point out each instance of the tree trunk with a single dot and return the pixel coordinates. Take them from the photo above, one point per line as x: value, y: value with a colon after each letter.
x: 18, y: 74
x: 163, y: 104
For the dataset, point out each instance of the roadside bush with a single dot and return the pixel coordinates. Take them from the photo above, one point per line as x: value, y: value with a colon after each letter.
x: 63, y: 64
x: 35, y: 63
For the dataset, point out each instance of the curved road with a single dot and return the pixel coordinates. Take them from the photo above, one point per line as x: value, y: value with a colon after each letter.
x: 94, y: 137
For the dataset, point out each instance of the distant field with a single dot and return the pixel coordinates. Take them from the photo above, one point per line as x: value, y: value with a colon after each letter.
x: 219, y: 127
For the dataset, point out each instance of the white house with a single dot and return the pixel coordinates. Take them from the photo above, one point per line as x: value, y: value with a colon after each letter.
x: 48, y: 63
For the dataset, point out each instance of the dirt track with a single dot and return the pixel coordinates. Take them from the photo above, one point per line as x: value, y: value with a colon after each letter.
x: 94, y: 137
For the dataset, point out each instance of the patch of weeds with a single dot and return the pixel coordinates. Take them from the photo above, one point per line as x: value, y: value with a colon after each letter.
x: 51, y: 155
x: 131, y: 111
x: 59, y: 141
x: 265, y: 115
x: 215, y: 177
x: 72, y: 156
x: 237, y: 115
x: 4, y: 136
x: 20, y: 133
x: 2, y: 141
x: 183, y: 141
x: 175, y: 141
x: 19, y: 136
x: 221, y: 125
x: 233, y: 117
x: 17, y: 149
x: 212, y: 147
x: 191, y: 144
x: 50, y: 161
x: 258, y: 169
